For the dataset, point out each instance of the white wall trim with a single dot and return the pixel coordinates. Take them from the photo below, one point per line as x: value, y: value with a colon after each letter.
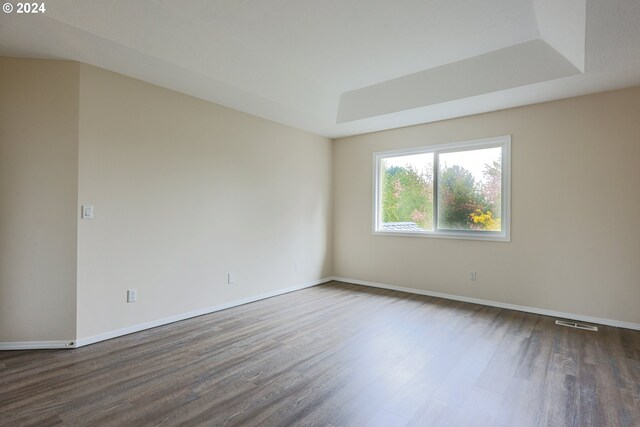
x: 175, y: 318
x: 534, y: 310
x: 36, y: 345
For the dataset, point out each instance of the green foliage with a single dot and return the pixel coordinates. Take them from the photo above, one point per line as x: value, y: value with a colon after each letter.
x: 459, y: 197
x: 407, y: 196
x: 492, y: 187
x: 466, y: 204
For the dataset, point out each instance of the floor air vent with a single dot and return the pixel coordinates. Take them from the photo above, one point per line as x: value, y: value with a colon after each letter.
x: 577, y: 325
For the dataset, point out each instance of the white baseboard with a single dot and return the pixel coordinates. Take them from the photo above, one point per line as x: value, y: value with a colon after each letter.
x: 534, y: 310
x: 159, y: 322
x: 36, y: 345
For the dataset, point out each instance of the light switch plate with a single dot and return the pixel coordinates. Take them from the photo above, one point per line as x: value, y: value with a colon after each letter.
x: 87, y: 211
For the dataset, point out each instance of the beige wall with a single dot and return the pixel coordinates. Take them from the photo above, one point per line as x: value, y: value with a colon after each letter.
x: 185, y: 191
x: 575, y: 240
x: 38, y: 193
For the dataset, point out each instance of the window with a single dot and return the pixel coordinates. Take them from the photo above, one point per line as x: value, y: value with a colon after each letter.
x: 457, y: 190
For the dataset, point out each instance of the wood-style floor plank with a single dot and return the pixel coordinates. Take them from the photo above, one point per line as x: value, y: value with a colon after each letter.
x: 336, y: 355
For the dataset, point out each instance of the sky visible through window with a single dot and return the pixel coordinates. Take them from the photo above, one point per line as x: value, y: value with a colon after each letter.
x: 474, y: 161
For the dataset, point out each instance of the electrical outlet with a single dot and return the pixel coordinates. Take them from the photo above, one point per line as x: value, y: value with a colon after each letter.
x: 132, y: 295
x: 296, y: 266
x: 472, y: 276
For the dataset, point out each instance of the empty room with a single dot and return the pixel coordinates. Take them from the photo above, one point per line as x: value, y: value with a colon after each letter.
x: 320, y: 213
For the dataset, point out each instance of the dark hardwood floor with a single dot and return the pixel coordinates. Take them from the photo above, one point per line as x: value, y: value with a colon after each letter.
x: 336, y: 355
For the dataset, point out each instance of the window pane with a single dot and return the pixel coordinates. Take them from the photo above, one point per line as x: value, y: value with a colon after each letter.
x: 406, y: 193
x: 470, y: 190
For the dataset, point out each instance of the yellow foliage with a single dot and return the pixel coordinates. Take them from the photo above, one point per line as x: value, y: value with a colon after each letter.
x: 485, y: 221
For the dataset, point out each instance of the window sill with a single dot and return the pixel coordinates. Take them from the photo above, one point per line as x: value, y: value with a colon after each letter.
x: 493, y: 237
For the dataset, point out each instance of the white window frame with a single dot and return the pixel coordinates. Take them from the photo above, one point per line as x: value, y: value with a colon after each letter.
x: 500, y: 141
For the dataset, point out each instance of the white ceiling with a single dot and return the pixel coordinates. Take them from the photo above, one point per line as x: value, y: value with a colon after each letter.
x: 381, y: 63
